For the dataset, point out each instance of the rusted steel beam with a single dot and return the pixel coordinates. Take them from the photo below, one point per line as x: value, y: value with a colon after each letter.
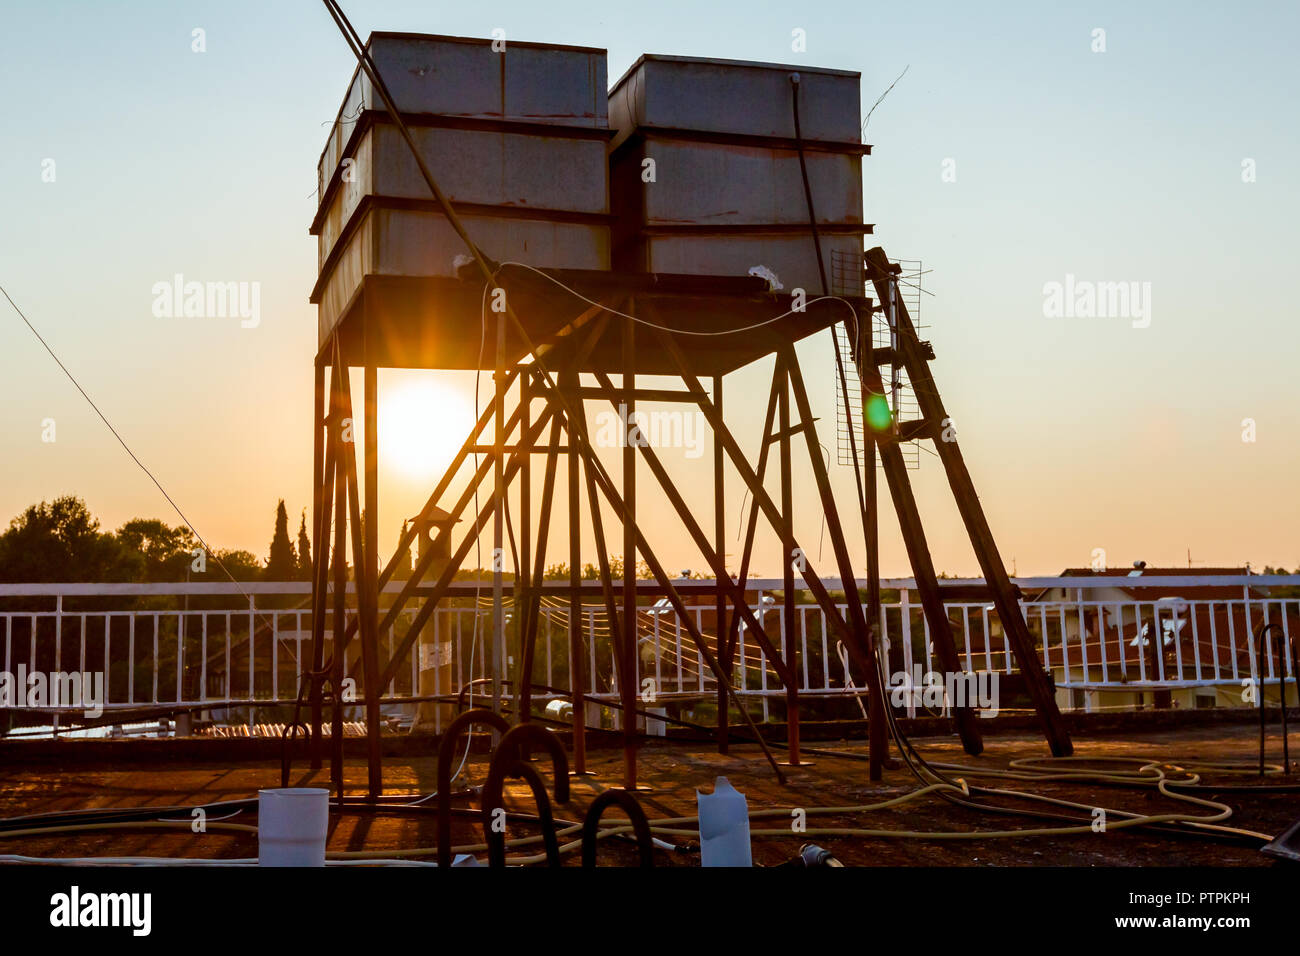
x: 855, y: 638
x: 318, y: 471
x: 368, y: 575
x: 871, y: 662
x: 598, y: 533
x: 412, y: 585
x: 714, y: 559
x: 752, y: 527
x: 367, y: 613
x: 720, y: 628
x: 670, y: 593
x: 497, y: 659
x: 577, y: 656
x: 630, y: 655
x: 521, y: 596
x: 425, y: 561
x: 340, y: 584
x: 404, y: 543
x: 532, y: 602
x: 787, y: 574
x: 434, y: 595
x: 647, y: 394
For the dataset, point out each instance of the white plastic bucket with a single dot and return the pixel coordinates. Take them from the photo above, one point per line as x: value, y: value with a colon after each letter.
x: 292, y: 824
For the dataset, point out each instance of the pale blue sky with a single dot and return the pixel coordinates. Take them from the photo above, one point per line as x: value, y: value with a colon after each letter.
x: 1081, y: 433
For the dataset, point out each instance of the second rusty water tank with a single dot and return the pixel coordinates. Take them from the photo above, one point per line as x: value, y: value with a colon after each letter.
x: 705, y: 176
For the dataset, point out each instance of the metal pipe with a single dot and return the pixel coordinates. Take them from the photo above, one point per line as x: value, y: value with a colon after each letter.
x: 507, y: 762
x: 640, y: 826
x: 446, y: 747
x: 1280, y: 660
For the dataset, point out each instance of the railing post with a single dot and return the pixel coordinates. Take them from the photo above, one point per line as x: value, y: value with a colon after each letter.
x: 905, y: 608
x: 58, y: 634
x: 252, y: 676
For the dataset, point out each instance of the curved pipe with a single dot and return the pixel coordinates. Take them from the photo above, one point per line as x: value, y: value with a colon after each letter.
x: 291, y: 734
x: 446, y: 748
x: 493, y: 800
x: 508, y: 762
x: 640, y: 825
x: 532, y: 736
x: 1279, y: 654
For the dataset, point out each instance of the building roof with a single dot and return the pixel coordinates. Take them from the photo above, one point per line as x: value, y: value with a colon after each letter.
x: 1145, y: 593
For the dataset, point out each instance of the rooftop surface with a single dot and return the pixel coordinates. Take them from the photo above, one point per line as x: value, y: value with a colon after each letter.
x: 673, y: 772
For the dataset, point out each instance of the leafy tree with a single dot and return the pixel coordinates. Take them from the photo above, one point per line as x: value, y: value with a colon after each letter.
x: 304, y: 549
x: 281, y: 563
x: 242, y: 565
x: 166, y: 553
x: 61, y: 541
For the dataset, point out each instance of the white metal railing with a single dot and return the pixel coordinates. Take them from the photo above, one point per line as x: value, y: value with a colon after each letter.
x: 235, y: 649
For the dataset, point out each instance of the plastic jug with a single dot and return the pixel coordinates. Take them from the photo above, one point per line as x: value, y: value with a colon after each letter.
x: 724, y: 826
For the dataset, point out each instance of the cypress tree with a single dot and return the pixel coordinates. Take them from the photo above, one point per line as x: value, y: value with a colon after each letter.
x: 304, y: 549
x: 281, y: 563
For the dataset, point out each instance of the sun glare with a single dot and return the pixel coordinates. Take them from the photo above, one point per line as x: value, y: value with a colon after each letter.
x: 422, y: 424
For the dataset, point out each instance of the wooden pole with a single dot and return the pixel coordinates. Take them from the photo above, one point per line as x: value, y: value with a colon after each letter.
x: 918, y: 553
x: 870, y: 512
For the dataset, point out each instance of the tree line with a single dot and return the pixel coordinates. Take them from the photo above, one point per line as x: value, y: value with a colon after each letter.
x: 62, y: 541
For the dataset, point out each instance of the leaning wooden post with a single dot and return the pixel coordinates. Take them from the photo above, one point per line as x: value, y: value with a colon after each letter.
x: 881, y: 273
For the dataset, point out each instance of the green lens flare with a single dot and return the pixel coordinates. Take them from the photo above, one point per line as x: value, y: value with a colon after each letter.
x: 878, y: 414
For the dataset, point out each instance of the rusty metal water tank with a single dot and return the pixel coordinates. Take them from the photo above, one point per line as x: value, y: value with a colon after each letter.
x: 516, y: 136
x: 718, y: 138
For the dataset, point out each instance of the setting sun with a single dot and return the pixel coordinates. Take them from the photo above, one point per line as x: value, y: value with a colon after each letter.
x: 422, y: 423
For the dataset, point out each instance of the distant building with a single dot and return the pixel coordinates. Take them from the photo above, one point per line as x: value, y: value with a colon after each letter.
x: 1157, y: 635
